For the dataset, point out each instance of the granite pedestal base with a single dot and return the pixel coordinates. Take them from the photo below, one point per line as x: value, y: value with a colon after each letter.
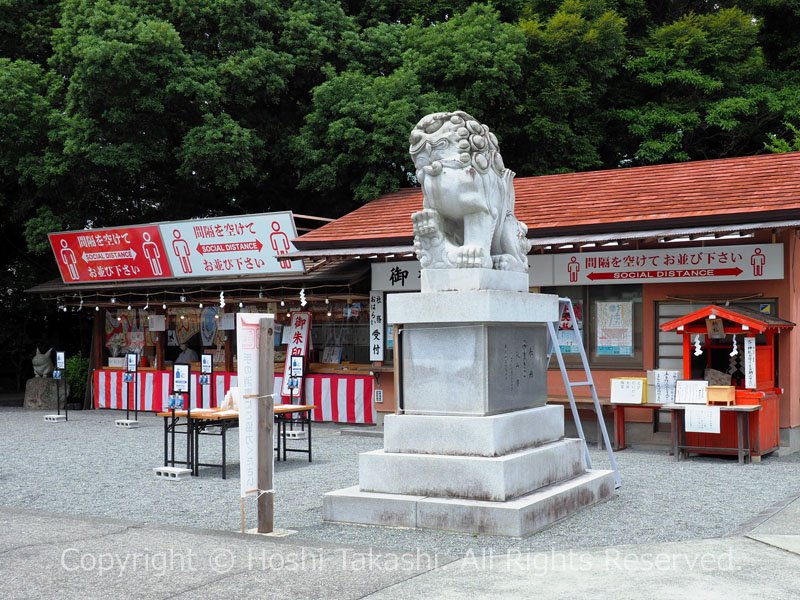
x: 519, y: 517
x: 476, y: 450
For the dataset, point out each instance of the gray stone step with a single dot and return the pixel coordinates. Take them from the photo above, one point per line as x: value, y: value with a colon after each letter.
x: 495, y: 435
x: 475, y: 477
x: 519, y: 517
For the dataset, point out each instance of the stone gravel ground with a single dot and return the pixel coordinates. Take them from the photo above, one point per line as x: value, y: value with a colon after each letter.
x: 89, y: 467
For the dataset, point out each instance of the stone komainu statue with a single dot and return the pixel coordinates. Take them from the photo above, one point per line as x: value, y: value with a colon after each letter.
x: 43, y: 363
x: 467, y: 219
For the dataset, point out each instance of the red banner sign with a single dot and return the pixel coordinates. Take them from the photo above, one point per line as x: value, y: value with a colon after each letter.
x: 111, y: 254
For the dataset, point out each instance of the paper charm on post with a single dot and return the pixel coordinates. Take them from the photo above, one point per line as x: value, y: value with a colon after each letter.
x: 296, y: 345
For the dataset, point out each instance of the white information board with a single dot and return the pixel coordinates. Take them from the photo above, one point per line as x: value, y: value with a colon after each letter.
x: 702, y: 419
x: 241, y: 245
x: 750, y: 362
x: 180, y: 379
x: 206, y: 363
x: 131, y: 360
x: 61, y: 362
x: 689, y: 391
x: 626, y: 391
x: 657, y: 265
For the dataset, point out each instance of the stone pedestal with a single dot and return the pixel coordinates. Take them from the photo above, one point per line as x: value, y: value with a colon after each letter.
x: 40, y: 393
x: 476, y: 450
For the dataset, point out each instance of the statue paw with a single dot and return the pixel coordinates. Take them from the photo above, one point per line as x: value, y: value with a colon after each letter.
x: 471, y: 257
x: 426, y: 222
x: 500, y: 262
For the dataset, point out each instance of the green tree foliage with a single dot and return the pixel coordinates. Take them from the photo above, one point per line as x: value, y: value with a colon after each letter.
x: 705, y: 89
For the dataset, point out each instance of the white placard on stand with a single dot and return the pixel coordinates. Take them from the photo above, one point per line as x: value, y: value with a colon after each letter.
x: 702, y: 419
x: 626, y: 391
x: 61, y: 362
x: 689, y: 391
x: 665, y: 382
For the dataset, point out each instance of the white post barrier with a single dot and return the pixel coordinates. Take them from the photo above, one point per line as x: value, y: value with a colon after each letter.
x: 255, y: 373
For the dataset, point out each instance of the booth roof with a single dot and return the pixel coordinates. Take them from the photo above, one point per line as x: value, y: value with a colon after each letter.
x: 317, y: 273
x: 693, y: 193
x: 757, y: 321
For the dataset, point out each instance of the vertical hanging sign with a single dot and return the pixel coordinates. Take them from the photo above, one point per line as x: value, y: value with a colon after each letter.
x: 376, y: 326
x: 750, y: 362
x: 296, y: 345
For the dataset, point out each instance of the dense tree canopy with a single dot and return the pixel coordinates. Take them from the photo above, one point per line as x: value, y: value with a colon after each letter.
x: 122, y: 111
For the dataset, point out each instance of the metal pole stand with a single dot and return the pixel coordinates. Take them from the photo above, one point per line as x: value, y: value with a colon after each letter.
x: 58, y: 418
x: 130, y: 378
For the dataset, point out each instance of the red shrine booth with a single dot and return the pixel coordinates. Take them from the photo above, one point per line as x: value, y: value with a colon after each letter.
x: 735, y: 347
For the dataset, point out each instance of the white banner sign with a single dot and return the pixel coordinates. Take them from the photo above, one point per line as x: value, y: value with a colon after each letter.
x: 702, y: 419
x: 297, y: 345
x: 376, y: 325
x: 250, y: 333
x: 711, y: 263
x: 231, y: 245
x: 400, y: 276
x: 750, y: 362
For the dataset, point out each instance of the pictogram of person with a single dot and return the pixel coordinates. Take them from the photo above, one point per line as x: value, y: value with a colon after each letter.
x: 757, y: 260
x: 151, y: 253
x: 280, y: 243
x: 181, y: 249
x: 573, y: 267
x: 68, y: 256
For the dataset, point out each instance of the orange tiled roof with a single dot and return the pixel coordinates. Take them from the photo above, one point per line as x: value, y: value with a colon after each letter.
x: 681, y: 194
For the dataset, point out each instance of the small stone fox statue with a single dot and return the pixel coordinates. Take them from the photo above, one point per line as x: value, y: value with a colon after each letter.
x: 43, y: 363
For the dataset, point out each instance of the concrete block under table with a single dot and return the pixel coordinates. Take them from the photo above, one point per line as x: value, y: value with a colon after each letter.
x: 494, y: 435
x: 55, y: 418
x: 172, y: 473
x: 126, y: 423
x: 474, y: 477
x: 517, y: 518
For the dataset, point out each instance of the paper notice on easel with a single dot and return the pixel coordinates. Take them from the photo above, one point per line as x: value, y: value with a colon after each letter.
x: 688, y: 391
x: 702, y: 419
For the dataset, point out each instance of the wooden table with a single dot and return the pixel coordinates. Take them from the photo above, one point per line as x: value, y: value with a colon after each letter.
x: 200, y: 421
x: 284, y: 416
x: 742, y: 431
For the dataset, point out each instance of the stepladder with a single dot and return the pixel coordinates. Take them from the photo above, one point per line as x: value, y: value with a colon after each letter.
x: 566, y: 313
